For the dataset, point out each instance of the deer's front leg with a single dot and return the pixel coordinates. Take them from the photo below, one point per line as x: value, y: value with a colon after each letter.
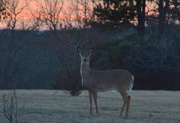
x: 95, y: 101
x: 90, y: 100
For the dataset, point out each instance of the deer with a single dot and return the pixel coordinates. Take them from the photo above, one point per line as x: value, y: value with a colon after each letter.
x: 103, y: 80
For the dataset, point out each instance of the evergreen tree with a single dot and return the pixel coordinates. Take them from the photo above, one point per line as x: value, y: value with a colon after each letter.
x: 174, y: 11
x: 115, y: 11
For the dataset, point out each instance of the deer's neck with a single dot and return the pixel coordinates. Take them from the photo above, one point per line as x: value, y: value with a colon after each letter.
x: 84, y: 71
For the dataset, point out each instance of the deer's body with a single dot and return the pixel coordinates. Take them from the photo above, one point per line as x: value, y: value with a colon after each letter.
x: 103, y: 80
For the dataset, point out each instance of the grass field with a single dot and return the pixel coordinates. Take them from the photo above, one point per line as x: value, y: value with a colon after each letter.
x: 146, y: 107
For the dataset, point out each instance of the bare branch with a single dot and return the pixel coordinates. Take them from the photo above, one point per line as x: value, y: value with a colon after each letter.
x: 49, y: 13
x: 11, y: 107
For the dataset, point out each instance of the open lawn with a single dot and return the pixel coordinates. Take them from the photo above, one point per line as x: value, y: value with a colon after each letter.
x: 40, y: 106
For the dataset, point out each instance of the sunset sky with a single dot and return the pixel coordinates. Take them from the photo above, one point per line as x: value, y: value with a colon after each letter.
x: 70, y: 10
x: 35, y: 6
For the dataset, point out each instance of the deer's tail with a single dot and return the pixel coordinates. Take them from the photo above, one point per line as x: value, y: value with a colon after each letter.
x: 132, y: 83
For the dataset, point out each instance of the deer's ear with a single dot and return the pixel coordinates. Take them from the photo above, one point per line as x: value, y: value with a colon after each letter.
x: 91, y: 50
x: 78, y: 49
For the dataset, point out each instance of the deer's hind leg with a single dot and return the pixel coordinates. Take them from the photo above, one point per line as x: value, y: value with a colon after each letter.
x: 127, y: 107
x: 125, y: 103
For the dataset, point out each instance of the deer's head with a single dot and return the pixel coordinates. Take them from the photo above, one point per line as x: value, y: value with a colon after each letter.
x: 85, y: 55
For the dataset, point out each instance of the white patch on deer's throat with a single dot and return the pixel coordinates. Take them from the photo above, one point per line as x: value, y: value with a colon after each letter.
x: 84, y: 63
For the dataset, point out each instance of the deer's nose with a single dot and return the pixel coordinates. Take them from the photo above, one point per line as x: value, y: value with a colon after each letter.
x: 85, y: 60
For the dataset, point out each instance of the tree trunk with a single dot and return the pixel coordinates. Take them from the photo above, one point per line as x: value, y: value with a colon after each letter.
x: 141, y: 4
x: 162, y: 14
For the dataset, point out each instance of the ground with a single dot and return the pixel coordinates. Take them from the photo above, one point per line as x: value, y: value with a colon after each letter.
x: 41, y: 106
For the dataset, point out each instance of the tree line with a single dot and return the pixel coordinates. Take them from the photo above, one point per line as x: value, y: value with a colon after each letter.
x: 58, y: 14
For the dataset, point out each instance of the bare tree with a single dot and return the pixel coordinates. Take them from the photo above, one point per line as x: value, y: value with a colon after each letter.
x: 48, y: 12
x: 10, y: 65
x: 68, y: 76
x: 15, y: 9
x: 11, y: 107
x: 81, y: 12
